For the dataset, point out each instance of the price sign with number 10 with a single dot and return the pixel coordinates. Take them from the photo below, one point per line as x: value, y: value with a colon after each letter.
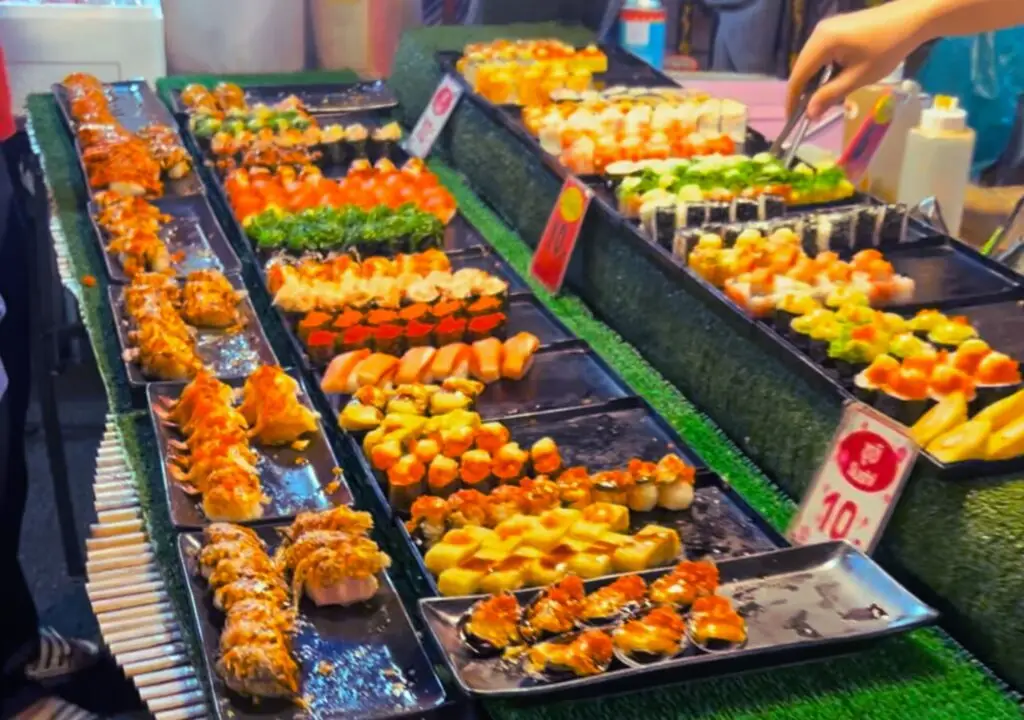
x: 856, y: 488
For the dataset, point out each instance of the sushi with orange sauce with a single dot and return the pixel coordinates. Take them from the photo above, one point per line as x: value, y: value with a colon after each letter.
x: 997, y: 377
x: 869, y: 381
x: 905, y: 397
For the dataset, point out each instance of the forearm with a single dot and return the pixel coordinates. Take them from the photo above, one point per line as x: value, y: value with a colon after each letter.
x: 941, y: 18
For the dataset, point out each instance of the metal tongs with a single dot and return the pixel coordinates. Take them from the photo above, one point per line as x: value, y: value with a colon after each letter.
x: 798, y: 121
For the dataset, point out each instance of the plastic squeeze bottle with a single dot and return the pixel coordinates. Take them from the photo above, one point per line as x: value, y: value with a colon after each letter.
x: 883, y: 174
x: 937, y: 160
x: 642, y: 30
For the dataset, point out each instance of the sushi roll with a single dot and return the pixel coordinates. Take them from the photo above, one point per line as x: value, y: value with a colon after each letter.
x: 854, y: 350
x: 675, y: 480
x: 746, y: 210
x: 869, y: 381
x: 577, y: 655
x: 333, y: 146
x: 997, y: 377
x: 430, y: 518
x: 516, y: 355
x: 840, y: 231
x: 456, y: 442
x: 554, y: 611
x: 491, y: 436
x: 714, y: 624
x: 951, y: 334
x: 486, y: 361
x: 893, y: 225
x: 405, y: 483
x: 312, y: 322
x: 905, y: 397
x: 545, y: 458
x: 664, y: 226
x: 475, y: 471
x: 684, y: 243
x: 865, y: 226
x: 385, y: 454
x: 443, y: 477
x: 791, y: 306
x: 356, y: 137
x: 824, y: 329
x: 687, y: 581
x: 384, y: 141
x: 770, y: 207
x: 451, y: 329
x: 509, y: 463
x: 485, y: 326
x: 946, y: 380
x: 969, y: 355
x: 908, y: 345
x: 925, y: 321
x: 415, y: 364
x: 643, y: 492
x: 492, y: 625
x: 611, y: 486
x: 426, y: 450
x: 718, y: 213
x: 321, y: 345
x: 389, y: 338
x: 611, y: 603
x: 356, y: 337
x: 654, y: 637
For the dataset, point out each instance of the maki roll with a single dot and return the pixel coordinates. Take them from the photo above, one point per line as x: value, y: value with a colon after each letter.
x: 609, y: 604
x: 313, y: 321
x: 355, y: 138
x: 643, y: 491
x: 715, y: 625
x: 946, y: 380
x: 746, y: 210
x: 718, y: 212
x: 455, y: 442
x: 492, y: 436
x: 925, y: 321
x: 555, y: 610
x: 611, y: 486
x: 770, y: 207
x: 544, y: 457
x: 385, y: 141
x: 675, y: 480
x: 684, y: 242
x: 357, y: 337
x: 581, y: 655
x: 386, y: 454
x: 690, y: 214
x: 405, y: 483
x: 664, y: 226
x: 509, y: 462
x: 321, y: 345
x: 850, y: 353
x: 969, y: 356
x: 389, y: 339
x: 865, y: 227
x: 687, y: 582
x: 905, y: 397
x: 575, y: 488
x: 475, y: 470
x: 997, y: 377
x: 485, y: 326
x: 492, y: 625
x: 333, y: 146
x: 791, y: 306
x: 418, y: 334
x: 893, y: 225
x: 907, y: 345
x: 952, y: 333
x: 868, y: 382
x: 426, y: 450
x: 450, y: 330
x: 800, y: 327
x: 658, y: 635
x: 821, y: 334
x: 430, y: 517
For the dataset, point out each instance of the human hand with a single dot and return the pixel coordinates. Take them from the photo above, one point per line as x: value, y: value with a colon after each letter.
x: 867, y: 45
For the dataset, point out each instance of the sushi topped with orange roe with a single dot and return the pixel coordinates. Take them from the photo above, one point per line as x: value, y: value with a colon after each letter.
x: 905, y: 397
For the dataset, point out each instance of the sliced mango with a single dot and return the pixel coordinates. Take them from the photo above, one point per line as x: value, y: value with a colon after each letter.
x: 1008, y: 442
x: 1003, y: 412
x: 966, y: 442
x: 950, y: 412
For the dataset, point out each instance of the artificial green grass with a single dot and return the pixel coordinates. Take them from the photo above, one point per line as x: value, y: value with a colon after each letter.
x: 915, y: 676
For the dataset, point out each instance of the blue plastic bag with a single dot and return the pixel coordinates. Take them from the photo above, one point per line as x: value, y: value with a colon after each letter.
x: 986, y: 72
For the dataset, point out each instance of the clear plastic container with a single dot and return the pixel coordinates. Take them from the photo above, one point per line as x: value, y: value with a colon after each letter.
x: 235, y: 36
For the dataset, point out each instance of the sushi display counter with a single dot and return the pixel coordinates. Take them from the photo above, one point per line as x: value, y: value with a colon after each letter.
x: 575, y: 405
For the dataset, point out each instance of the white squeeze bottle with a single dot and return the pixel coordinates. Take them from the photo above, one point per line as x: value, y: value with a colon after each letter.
x: 937, y: 160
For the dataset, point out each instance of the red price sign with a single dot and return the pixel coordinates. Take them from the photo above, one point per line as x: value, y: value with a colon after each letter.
x: 434, y: 117
x: 856, y: 489
x: 554, y: 251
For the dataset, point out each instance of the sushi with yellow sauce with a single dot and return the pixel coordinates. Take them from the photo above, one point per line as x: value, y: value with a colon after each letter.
x: 658, y: 635
x: 615, y: 601
x: 587, y: 653
x: 715, y: 624
x: 554, y: 611
x: 492, y: 625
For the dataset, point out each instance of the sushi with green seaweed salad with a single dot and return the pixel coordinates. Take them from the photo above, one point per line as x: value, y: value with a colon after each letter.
x: 856, y: 348
x: 802, y: 327
x: 791, y: 306
x: 952, y: 333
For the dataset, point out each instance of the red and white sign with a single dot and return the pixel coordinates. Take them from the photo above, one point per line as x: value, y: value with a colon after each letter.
x: 551, y: 260
x: 435, y: 117
x: 856, y: 489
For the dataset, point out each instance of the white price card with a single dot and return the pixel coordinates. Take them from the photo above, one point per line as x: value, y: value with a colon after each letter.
x: 435, y: 117
x: 856, y: 488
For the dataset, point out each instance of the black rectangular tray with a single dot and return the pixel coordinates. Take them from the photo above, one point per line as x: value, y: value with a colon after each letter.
x: 193, y: 230
x: 317, y: 97
x: 795, y: 601
x: 379, y: 667
x: 720, y: 525
x: 291, y: 487
x: 525, y: 314
x: 229, y: 356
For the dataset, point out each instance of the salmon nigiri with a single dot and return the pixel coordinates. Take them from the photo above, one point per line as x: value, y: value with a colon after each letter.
x: 338, y: 372
x: 518, y: 355
x: 414, y: 365
x: 452, y: 360
x: 485, y: 364
x: 375, y: 370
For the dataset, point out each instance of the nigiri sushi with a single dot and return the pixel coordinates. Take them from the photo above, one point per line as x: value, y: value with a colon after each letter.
x: 450, y: 361
x: 376, y: 369
x: 336, y: 377
x: 414, y: 364
x: 518, y: 353
x: 486, y: 363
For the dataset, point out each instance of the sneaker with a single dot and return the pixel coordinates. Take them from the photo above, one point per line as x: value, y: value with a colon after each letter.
x: 53, y: 708
x: 59, y: 656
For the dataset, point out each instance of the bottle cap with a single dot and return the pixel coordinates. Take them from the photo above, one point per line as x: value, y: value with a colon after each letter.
x: 945, y: 115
